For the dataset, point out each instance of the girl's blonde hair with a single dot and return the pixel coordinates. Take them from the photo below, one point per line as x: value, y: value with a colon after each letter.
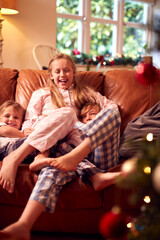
x: 14, y: 104
x: 79, y: 89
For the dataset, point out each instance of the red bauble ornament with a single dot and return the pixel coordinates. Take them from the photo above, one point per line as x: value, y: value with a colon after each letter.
x: 113, y: 225
x: 146, y: 73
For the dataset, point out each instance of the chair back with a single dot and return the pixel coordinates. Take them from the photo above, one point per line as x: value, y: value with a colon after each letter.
x: 42, y: 55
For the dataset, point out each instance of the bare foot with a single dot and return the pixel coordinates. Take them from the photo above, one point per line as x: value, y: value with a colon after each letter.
x: 70, y: 161
x: 102, y: 180
x: 15, y: 231
x: 39, y: 163
x: 65, y: 163
x: 8, y: 172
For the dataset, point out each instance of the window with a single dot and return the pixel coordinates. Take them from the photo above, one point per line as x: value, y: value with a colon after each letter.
x: 103, y: 27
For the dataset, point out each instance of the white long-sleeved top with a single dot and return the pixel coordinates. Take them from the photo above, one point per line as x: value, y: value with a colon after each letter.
x: 41, y: 107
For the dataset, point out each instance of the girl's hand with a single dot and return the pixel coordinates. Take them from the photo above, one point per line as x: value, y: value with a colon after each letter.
x: 28, y: 131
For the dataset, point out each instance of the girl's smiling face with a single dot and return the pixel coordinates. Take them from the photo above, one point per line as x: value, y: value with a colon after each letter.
x: 62, y: 73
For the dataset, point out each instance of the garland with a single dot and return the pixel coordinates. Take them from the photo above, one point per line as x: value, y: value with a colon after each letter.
x: 101, y: 60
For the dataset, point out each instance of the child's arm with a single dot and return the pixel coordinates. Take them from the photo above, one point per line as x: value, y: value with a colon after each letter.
x: 27, y: 131
x: 7, y: 131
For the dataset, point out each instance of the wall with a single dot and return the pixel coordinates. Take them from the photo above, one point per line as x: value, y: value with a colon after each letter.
x: 34, y: 24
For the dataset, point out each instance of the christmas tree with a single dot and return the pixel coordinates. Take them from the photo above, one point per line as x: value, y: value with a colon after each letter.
x: 143, y: 173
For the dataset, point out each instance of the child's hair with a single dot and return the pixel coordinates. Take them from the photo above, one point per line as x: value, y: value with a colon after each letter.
x: 87, y: 107
x: 79, y: 89
x: 14, y: 104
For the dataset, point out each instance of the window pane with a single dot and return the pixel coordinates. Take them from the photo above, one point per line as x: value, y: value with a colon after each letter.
x: 102, y: 9
x: 67, y: 35
x: 101, y: 38
x: 134, y: 12
x: 133, y: 40
x: 67, y: 6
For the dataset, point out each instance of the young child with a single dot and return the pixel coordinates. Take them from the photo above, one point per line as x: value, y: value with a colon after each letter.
x: 89, y: 112
x: 11, y: 117
x: 60, y: 102
x: 11, y: 135
x: 11, y: 114
x: 70, y: 161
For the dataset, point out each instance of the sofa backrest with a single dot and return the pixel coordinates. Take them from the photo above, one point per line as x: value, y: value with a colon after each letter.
x: 119, y: 85
x: 30, y: 80
x: 8, y: 81
x: 133, y: 98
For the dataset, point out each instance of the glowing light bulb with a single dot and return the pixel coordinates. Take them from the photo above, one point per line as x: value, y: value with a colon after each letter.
x: 147, y: 199
x: 149, y: 137
x: 129, y: 225
x: 147, y: 169
x: 129, y: 166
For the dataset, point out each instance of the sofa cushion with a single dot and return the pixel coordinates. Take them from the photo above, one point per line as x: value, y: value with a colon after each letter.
x: 84, y: 196
x: 7, y: 84
x: 132, y: 97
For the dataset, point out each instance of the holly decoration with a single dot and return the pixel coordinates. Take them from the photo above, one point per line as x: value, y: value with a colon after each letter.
x: 104, y: 60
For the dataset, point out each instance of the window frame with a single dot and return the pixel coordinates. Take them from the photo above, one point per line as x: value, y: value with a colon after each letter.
x: 85, y: 18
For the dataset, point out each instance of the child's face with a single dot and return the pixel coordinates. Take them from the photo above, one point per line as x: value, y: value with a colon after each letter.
x: 12, y: 117
x: 90, y: 115
x: 62, y: 73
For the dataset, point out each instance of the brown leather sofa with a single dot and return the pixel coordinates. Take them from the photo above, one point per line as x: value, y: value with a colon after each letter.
x: 79, y: 207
